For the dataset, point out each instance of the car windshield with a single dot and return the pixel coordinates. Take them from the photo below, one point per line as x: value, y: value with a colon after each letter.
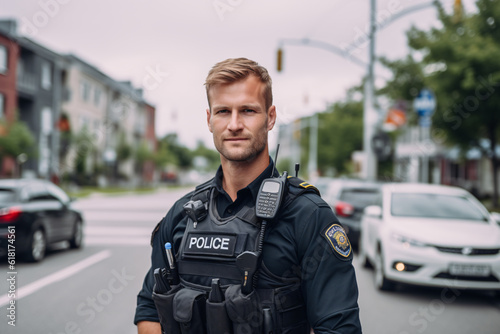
x: 359, y: 197
x: 434, y: 206
x: 7, y: 196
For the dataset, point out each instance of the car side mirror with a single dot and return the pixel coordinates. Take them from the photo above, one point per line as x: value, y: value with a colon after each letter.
x: 373, y: 211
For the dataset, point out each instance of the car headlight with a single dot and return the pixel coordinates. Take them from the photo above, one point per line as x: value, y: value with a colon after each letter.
x: 407, y: 241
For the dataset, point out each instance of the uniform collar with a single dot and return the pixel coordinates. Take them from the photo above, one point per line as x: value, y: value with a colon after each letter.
x: 253, y: 187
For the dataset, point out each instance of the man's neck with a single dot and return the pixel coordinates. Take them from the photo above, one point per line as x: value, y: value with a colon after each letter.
x: 238, y: 175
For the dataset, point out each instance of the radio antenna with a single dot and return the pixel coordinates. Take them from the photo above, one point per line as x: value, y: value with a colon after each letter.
x: 276, y: 158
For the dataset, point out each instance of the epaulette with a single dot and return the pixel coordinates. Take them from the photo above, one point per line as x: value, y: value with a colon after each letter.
x: 301, y: 184
x: 297, y: 187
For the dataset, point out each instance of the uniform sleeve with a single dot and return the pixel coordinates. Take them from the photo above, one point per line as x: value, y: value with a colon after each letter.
x: 146, y: 310
x: 328, y: 279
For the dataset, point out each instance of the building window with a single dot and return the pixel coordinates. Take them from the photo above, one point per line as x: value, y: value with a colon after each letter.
x: 97, y: 97
x: 2, y: 106
x: 3, y: 59
x: 46, y: 76
x: 84, y: 90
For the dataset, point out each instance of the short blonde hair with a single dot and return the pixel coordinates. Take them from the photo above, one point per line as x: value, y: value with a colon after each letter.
x: 234, y: 69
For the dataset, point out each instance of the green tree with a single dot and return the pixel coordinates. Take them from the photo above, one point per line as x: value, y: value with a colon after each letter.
x: 142, y: 154
x: 84, y: 146
x: 15, y: 138
x: 465, y: 74
x: 123, y: 149
x: 340, y: 134
x: 172, y: 152
x: 212, y: 156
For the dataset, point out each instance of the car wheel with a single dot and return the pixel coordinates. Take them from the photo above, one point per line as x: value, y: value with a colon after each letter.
x: 76, y: 240
x: 38, y: 246
x: 381, y: 282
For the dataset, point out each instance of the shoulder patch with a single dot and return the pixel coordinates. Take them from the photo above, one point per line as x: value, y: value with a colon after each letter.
x: 338, y: 241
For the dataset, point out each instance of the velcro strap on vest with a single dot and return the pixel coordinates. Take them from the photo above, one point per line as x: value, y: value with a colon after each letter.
x: 198, y: 268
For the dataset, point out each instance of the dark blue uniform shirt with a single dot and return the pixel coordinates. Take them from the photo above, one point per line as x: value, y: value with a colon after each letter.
x: 297, y: 245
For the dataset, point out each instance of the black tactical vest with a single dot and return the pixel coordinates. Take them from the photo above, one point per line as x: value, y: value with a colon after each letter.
x: 208, y: 251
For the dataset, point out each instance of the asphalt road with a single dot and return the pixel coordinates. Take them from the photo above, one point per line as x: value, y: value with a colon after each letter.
x: 93, y: 290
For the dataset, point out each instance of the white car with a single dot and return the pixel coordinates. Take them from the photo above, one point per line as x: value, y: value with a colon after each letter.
x: 430, y: 235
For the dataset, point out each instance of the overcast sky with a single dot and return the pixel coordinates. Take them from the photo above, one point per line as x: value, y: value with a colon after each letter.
x: 181, y: 40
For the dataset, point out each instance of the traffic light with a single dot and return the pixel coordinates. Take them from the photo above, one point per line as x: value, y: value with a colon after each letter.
x: 458, y: 10
x: 279, y: 63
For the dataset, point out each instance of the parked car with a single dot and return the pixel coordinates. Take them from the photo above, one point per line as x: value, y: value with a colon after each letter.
x: 39, y: 213
x: 348, y: 198
x: 430, y: 235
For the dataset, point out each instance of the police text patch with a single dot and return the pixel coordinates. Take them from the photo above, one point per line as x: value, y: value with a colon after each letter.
x: 221, y: 244
x: 337, y: 239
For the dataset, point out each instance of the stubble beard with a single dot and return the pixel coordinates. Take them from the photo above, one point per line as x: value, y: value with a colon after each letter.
x: 247, y: 154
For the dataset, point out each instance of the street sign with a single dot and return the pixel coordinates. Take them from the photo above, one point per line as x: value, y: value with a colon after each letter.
x: 425, y: 103
x: 425, y: 121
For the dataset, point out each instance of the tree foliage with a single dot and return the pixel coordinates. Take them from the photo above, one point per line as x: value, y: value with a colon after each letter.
x: 463, y: 56
x: 340, y: 134
x: 212, y: 156
x: 15, y: 138
x: 123, y: 149
x: 170, y: 151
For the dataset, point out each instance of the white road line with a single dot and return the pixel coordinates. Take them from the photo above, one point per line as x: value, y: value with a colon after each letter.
x: 118, y: 231
x: 107, y: 240
x: 56, y: 277
x: 116, y: 235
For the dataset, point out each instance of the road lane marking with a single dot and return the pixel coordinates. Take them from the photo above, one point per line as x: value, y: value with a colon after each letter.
x: 115, y: 235
x: 118, y: 231
x: 131, y: 241
x: 56, y: 277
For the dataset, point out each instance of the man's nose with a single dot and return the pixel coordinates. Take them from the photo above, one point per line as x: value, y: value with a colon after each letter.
x: 235, y: 121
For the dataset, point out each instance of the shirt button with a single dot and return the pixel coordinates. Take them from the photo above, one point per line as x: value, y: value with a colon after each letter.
x: 230, y: 210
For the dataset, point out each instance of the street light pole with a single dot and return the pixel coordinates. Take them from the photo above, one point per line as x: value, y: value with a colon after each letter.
x: 312, y: 165
x: 370, y: 116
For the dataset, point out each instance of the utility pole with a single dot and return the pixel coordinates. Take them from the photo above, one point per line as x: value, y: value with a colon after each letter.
x: 312, y: 165
x: 370, y: 116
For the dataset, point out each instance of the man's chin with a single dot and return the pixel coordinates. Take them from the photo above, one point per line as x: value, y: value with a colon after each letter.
x: 241, y: 156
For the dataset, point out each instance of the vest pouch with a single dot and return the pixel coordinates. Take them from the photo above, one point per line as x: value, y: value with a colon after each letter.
x: 244, y: 311
x: 189, y: 311
x: 164, y: 306
x: 218, y: 321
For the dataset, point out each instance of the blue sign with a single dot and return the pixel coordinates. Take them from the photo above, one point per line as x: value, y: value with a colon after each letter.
x: 425, y: 121
x: 425, y: 103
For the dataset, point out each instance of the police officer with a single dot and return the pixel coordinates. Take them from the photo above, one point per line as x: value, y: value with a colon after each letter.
x: 303, y: 272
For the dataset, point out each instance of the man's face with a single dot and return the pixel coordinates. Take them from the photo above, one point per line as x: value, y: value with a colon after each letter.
x: 239, y: 120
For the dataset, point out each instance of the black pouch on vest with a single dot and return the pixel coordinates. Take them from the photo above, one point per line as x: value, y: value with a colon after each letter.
x: 218, y: 321
x: 244, y: 311
x: 164, y: 306
x: 189, y: 311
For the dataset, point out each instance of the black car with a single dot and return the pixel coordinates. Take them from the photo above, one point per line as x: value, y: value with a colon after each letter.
x: 348, y: 198
x: 34, y: 214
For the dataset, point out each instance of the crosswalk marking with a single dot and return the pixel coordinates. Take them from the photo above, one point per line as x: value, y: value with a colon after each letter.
x: 117, y: 235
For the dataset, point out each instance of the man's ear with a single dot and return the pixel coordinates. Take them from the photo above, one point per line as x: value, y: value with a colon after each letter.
x: 208, y: 120
x: 271, y: 118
